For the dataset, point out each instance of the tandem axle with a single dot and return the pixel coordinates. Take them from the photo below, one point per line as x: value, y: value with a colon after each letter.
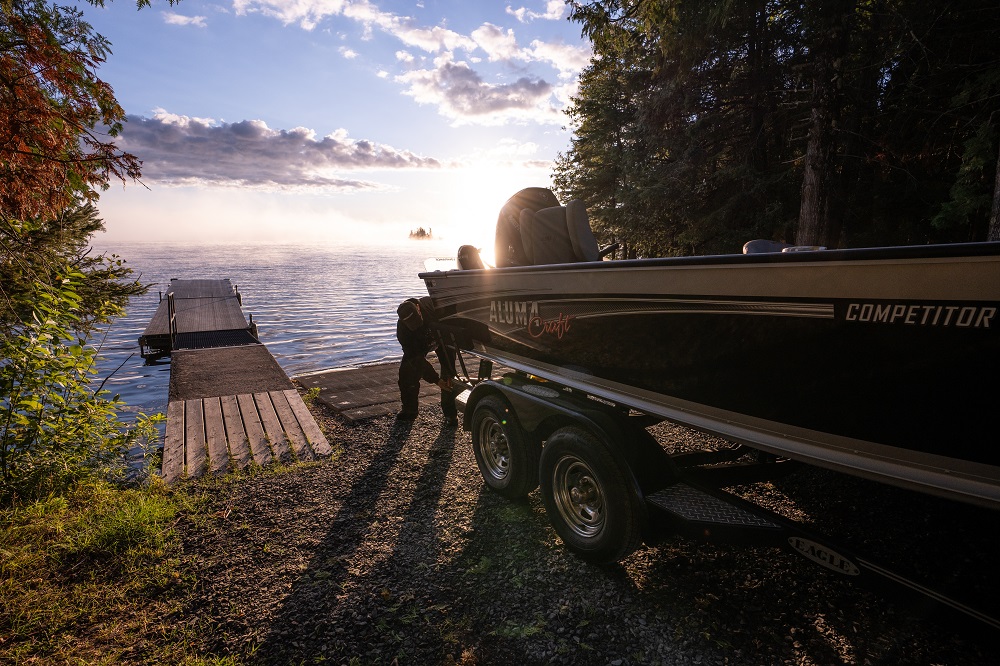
x: 608, y: 485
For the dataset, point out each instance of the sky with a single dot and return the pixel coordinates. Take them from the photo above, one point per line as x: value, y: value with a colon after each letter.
x: 326, y: 120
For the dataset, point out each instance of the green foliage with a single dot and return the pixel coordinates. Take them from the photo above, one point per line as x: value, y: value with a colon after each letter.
x: 35, y: 254
x: 54, y: 428
x: 971, y: 198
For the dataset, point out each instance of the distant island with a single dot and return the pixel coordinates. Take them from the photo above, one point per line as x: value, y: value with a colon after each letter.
x: 421, y: 234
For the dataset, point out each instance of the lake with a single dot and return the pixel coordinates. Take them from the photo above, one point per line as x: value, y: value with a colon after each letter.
x: 316, y: 306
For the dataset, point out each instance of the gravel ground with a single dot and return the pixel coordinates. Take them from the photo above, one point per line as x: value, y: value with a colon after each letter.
x: 394, y: 552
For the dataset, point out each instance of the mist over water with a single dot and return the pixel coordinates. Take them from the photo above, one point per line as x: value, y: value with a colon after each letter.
x: 316, y: 306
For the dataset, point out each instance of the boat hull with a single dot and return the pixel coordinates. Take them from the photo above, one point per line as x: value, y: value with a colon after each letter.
x: 881, y: 363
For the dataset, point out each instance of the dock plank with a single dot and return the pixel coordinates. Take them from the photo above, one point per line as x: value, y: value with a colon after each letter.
x: 159, y: 324
x: 272, y: 426
x: 291, y: 426
x: 173, y: 443
x: 317, y: 440
x: 254, y: 430
x: 209, y: 314
x: 200, y: 305
x: 194, y: 438
x: 201, y: 288
x: 239, y: 446
x: 215, y: 435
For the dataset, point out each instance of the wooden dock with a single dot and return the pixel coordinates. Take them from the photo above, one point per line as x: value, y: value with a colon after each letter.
x: 230, y: 403
x: 221, y: 433
x: 197, y: 314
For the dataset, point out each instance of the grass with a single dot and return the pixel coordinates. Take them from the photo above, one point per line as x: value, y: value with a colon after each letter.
x: 97, y: 576
x: 93, y: 576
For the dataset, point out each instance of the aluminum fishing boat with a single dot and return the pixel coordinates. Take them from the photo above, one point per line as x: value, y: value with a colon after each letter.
x: 881, y: 362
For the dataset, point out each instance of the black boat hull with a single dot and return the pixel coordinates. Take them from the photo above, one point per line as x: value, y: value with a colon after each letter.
x: 881, y: 363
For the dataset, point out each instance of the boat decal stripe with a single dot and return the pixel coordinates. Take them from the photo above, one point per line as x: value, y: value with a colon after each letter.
x: 600, y: 307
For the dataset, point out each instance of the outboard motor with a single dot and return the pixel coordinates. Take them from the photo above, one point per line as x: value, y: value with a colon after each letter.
x: 509, y: 249
x: 468, y: 258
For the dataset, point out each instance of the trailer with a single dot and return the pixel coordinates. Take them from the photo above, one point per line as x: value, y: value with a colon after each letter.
x: 608, y: 485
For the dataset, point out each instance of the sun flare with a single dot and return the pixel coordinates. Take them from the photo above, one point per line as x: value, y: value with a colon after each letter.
x: 481, y: 190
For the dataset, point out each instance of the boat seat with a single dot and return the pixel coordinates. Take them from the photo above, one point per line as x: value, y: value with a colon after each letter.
x: 763, y: 246
x: 584, y: 244
x: 509, y: 250
x: 558, y: 235
x: 468, y: 258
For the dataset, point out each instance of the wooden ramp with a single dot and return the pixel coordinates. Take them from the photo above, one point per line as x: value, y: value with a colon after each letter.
x: 230, y: 404
x: 221, y: 433
x: 368, y: 391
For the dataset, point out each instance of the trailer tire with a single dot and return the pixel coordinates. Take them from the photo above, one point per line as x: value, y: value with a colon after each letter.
x: 507, y: 460
x: 589, y: 497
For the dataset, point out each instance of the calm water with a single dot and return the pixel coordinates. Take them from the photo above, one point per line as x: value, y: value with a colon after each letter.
x: 316, y: 306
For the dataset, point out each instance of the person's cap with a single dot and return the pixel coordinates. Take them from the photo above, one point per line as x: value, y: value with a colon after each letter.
x: 426, y: 304
x: 410, y: 315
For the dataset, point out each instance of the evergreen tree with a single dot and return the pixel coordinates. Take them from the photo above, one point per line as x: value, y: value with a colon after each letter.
x: 702, y: 125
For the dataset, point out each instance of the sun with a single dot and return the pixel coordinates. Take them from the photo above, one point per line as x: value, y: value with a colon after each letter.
x: 480, y: 191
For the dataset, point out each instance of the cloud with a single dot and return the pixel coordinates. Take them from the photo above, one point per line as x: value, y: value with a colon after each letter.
x: 348, y: 53
x: 404, y: 28
x: 554, y: 10
x: 569, y: 60
x: 499, y: 45
x: 453, y: 85
x: 512, y: 148
x: 180, y: 150
x: 307, y: 13
x: 177, y: 19
x: 461, y: 94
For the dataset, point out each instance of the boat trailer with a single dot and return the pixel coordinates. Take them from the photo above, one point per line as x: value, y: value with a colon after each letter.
x: 608, y: 485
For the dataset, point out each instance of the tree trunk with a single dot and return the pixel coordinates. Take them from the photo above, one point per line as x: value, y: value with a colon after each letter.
x: 819, y: 223
x: 994, y: 233
x: 814, y: 213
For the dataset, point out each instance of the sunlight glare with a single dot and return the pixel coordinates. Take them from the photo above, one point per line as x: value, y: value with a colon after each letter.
x: 481, y: 190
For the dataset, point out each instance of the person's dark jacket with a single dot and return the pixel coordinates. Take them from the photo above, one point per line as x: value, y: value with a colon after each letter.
x: 416, y: 344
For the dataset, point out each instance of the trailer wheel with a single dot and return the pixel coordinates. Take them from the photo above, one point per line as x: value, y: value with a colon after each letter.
x: 588, y: 497
x: 508, y: 463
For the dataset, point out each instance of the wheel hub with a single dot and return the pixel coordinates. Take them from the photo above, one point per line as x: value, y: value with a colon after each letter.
x: 496, y: 452
x: 578, y: 496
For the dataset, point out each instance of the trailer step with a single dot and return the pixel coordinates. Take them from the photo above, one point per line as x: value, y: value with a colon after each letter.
x: 694, y: 505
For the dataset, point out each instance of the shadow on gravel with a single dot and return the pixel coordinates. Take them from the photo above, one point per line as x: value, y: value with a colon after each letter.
x: 305, y: 602
x: 313, y: 620
x: 420, y: 564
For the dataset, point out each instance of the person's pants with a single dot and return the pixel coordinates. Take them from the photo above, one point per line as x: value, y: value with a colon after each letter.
x: 411, y: 371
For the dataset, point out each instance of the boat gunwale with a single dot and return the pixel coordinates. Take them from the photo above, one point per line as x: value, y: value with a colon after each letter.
x: 903, y: 252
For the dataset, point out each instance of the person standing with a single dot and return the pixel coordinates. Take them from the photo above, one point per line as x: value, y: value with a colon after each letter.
x: 414, y: 334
